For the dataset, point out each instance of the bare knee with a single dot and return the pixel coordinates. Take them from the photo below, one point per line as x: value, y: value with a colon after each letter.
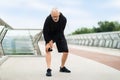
x: 65, y: 53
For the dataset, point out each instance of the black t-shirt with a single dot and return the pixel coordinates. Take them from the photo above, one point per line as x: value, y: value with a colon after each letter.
x: 54, y: 30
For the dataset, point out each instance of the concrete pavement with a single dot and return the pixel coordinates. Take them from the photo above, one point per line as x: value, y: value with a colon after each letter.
x: 34, y: 68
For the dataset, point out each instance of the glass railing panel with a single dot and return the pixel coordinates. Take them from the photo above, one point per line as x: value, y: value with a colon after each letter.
x: 18, y: 42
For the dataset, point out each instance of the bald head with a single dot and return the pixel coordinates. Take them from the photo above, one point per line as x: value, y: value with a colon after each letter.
x: 55, y: 15
x: 55, y: 12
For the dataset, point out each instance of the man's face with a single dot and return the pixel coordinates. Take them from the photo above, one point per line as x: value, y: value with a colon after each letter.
x: 55, y: 17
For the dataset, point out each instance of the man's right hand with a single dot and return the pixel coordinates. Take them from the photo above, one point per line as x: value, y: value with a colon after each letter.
x: 49, y: 45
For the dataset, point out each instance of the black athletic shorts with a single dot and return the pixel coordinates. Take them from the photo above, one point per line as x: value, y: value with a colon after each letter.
x: 62, y: 45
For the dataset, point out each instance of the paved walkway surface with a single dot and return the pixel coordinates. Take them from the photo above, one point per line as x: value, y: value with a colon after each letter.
x: 83, y: 67
x: 107, y: 56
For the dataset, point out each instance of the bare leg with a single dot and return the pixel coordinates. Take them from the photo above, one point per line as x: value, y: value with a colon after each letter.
x: 48, y: 59
x: 62, y: 67
x: 64, y: 58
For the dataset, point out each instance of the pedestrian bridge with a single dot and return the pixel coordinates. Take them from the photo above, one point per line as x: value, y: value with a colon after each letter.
x: 91, y: 56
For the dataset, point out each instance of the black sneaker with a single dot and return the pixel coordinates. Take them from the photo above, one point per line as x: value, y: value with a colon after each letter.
x: 48, y: 72
x: 64, y: 69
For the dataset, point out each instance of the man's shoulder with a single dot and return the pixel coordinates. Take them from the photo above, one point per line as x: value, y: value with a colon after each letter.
x: 62, y: 15
x: 48, y: 17
x: 63, y: 18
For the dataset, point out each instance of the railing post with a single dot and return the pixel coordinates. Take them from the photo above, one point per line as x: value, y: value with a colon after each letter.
x: 35, y: 42
x: 1, y: 50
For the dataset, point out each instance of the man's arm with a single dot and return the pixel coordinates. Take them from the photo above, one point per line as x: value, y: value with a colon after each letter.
x: 63, y: 22
x: 46, y: 31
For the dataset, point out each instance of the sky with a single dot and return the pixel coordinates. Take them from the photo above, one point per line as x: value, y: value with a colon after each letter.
x: 79, y: 13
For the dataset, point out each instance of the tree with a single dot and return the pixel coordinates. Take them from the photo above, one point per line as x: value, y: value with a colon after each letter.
x: 103, y: 26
